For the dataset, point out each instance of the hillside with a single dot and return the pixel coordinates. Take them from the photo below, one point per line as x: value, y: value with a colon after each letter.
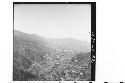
x: 39, y: 58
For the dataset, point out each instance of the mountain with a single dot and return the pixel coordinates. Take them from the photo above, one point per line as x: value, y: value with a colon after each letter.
x: 69, y: 43
x: 40, y: 58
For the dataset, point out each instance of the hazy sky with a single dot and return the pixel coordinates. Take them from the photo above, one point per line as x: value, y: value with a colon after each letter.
x: 54, y: 20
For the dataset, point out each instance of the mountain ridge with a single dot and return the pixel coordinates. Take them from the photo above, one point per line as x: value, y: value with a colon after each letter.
x: 40, y: 58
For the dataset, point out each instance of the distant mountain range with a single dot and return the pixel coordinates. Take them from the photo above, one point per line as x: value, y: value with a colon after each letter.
x: 40, y: 58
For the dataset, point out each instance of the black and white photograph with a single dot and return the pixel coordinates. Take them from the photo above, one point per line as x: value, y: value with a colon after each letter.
x: 54, y: 41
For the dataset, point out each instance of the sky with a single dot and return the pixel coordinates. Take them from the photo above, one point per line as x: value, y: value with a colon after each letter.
x: 54, y: 20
